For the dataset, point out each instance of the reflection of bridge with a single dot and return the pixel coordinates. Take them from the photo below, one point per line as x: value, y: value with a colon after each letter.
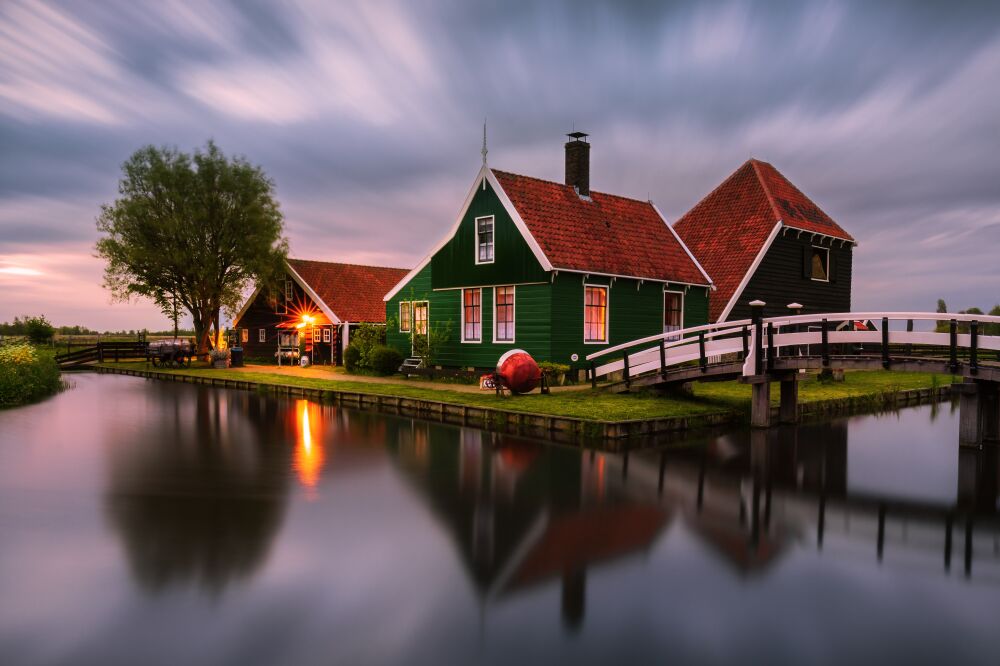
x: 761, y: 350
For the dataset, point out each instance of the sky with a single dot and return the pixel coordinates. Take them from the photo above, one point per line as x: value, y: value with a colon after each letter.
x: 369, y: 119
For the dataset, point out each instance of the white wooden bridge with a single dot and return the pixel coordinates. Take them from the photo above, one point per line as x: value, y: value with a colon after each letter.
x: 762, y: 350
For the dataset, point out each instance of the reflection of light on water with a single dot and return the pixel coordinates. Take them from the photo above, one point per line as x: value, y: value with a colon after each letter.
x: 308, y: 459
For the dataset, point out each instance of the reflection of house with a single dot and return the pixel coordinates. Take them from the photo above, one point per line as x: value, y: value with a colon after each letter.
x: 553, y: 268
x: 759, y: 237
x: 335, y: 296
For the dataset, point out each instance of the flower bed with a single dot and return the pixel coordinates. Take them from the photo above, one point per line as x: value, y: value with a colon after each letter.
x: 26, y: 375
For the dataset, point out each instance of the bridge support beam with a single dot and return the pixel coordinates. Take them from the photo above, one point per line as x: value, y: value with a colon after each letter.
x: 979, y: 413
x: 760, y: 404
x: 789, y: 410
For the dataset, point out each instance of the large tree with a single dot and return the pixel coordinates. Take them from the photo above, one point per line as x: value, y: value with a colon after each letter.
x: 197, y: 228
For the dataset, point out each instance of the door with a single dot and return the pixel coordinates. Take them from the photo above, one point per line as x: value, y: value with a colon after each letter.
x: 421, y: 323
x: 673, y: 312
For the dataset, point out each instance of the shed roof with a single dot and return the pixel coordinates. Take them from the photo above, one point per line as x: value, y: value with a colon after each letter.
x: 351, y: 291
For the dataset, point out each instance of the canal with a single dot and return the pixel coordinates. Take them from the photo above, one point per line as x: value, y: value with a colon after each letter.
x: 146, y: 522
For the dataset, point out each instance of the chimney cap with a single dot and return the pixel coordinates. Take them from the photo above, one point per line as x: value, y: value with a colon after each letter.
x: 577, y: 135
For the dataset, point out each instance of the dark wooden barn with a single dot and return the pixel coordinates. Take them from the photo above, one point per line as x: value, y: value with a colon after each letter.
x: 760, y: 238
x: 315, y: 310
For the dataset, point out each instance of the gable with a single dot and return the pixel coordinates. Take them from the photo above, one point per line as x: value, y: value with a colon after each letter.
x: 454, y: 264
x: 346, y: 292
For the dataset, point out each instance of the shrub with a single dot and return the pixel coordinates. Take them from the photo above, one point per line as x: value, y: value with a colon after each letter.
x: 38, y: 329
x: 385, y: 360
x: 352, y: 358
x: 556, y: 372
x: 26, y: 375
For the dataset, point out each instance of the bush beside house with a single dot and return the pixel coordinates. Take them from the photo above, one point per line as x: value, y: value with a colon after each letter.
x: 26, y: 375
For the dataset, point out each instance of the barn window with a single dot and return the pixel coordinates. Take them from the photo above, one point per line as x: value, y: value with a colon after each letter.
x: 405, y: 315
x: 673, y: 312
x: 595, y: 314
x: 244, y: 335
x: 261, y: 335
x: 503, y: 314
x: 326, y: 335
x: 819, y: 266
x: 484, y: 240
x: 316, y: 335
x: 472, y: 315
x: 420, y: 316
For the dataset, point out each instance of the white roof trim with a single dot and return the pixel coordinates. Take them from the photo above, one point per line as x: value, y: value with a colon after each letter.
x: 246, y: 306
x: 313, y: 295
x: 753, y: 267
x: 820, y: 233
x: 683, y: 245
x: 632, y: 277
x: 487, y: 173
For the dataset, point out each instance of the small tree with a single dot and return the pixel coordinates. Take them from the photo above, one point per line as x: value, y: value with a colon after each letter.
x: 199, y: 228
x: 38, y: 329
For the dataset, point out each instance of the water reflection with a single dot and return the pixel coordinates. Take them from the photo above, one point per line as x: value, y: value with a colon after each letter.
x: 309, y: 449
x: 198, y: 496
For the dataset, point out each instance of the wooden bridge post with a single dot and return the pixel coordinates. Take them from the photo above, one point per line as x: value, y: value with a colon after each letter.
x: 757, y: 318
x: 788, y: 412
x: 979, y: 412
x: 760, y: 403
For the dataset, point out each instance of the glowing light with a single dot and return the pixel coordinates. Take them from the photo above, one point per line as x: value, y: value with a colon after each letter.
x: 309, y: 454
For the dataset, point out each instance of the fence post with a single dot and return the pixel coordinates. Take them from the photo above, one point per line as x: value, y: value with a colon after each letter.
x: 593, y: 375
x: 825, y: 343
x: 100, y: 352
x: 663, y: 358
x: 770, y: 346
x: 757, y: 317
x: 885, y: 342
x: 702, y: 359
x: 909, y: 345
x: 953, y: 344
x: 974, y: 348
x: 746, y: 342
x: 625, y: 369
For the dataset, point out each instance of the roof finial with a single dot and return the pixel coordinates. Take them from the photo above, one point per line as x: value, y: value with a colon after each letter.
x: 484, y: 141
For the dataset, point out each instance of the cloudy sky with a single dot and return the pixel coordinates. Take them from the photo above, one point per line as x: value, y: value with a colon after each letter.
x: 369, y: 119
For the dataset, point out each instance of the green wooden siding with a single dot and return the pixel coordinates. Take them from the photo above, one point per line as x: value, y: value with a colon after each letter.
x: 454, y: 265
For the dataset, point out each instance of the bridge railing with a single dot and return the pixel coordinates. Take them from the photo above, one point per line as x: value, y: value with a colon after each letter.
x: 670, y: 349
x: 967, y: 335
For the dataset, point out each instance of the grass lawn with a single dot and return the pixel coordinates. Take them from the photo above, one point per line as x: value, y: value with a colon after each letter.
x: 709, y: 398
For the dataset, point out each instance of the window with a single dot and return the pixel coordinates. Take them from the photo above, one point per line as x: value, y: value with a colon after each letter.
x: 673, y: 312
x: 820, y: 264
x: 472, y: 315
x: 288, y: 290
x: 484, y: 240
x: 595, y: 314
x: 316, y: 334
x: 284, y: 303
x: 244, y: 335
x: 261, y: 335
x: 405, y: 314
x: 420, y: 316
x: 503, y: 314
x: 326, y: 335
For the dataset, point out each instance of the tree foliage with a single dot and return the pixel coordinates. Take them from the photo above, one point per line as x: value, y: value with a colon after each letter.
x: 200, y: 228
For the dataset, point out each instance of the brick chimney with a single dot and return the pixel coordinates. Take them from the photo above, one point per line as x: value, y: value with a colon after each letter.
x: 578, y: 163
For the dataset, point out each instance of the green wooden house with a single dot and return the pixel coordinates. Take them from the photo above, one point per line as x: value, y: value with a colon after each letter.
x: 554, y: 269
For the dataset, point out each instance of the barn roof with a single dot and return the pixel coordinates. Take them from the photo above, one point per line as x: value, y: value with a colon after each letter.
x: 603, y: 233
x: 732, y: 225
x: 352, y: 292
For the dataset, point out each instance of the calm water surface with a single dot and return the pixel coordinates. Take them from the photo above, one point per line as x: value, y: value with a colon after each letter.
x: 159, y: 523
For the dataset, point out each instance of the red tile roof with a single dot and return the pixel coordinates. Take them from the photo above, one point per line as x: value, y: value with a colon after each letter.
x: 608, y: 234
x: 727, y: 228
x: 354, y: 293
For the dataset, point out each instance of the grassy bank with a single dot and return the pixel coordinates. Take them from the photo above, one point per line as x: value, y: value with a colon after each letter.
x: 27, y: 374
x: 709, y: 398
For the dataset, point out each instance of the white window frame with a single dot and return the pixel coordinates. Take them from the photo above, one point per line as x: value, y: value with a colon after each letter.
x: 461, y: 304
x: 681, y: 294
x: 413, y: 326
x: 317, y: 336
x: 288, y: 295
x: 244, y: 335
x: 326, y: 335
x: 493, y: 243
x: 816, y: 279
x: 513, y: 319
x: 607, y: 313
x: 409, y: 322
x: 261, y: 335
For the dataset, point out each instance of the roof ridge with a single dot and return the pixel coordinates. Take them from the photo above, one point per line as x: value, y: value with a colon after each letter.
x: 767, y: 190
x: 346, y: 263
x: 714, y: 190
x: 553, y: 182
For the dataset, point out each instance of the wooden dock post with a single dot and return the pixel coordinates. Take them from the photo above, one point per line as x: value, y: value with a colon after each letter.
x: 760, y: 404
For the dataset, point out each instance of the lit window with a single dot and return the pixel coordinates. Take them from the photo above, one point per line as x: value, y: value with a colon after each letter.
x: 595, y: 314
x: 820, y: 265
x: 503, y: 318
x: 673, y: 312
x: 472, y: 315
x: 484, y: 240
x: 420, y: 312
x: 244, y: 335
x: 261, y: 335
x: 405, y: 312
x: 288, y: 290
x: 316, y: 335
x: 326, y: 335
